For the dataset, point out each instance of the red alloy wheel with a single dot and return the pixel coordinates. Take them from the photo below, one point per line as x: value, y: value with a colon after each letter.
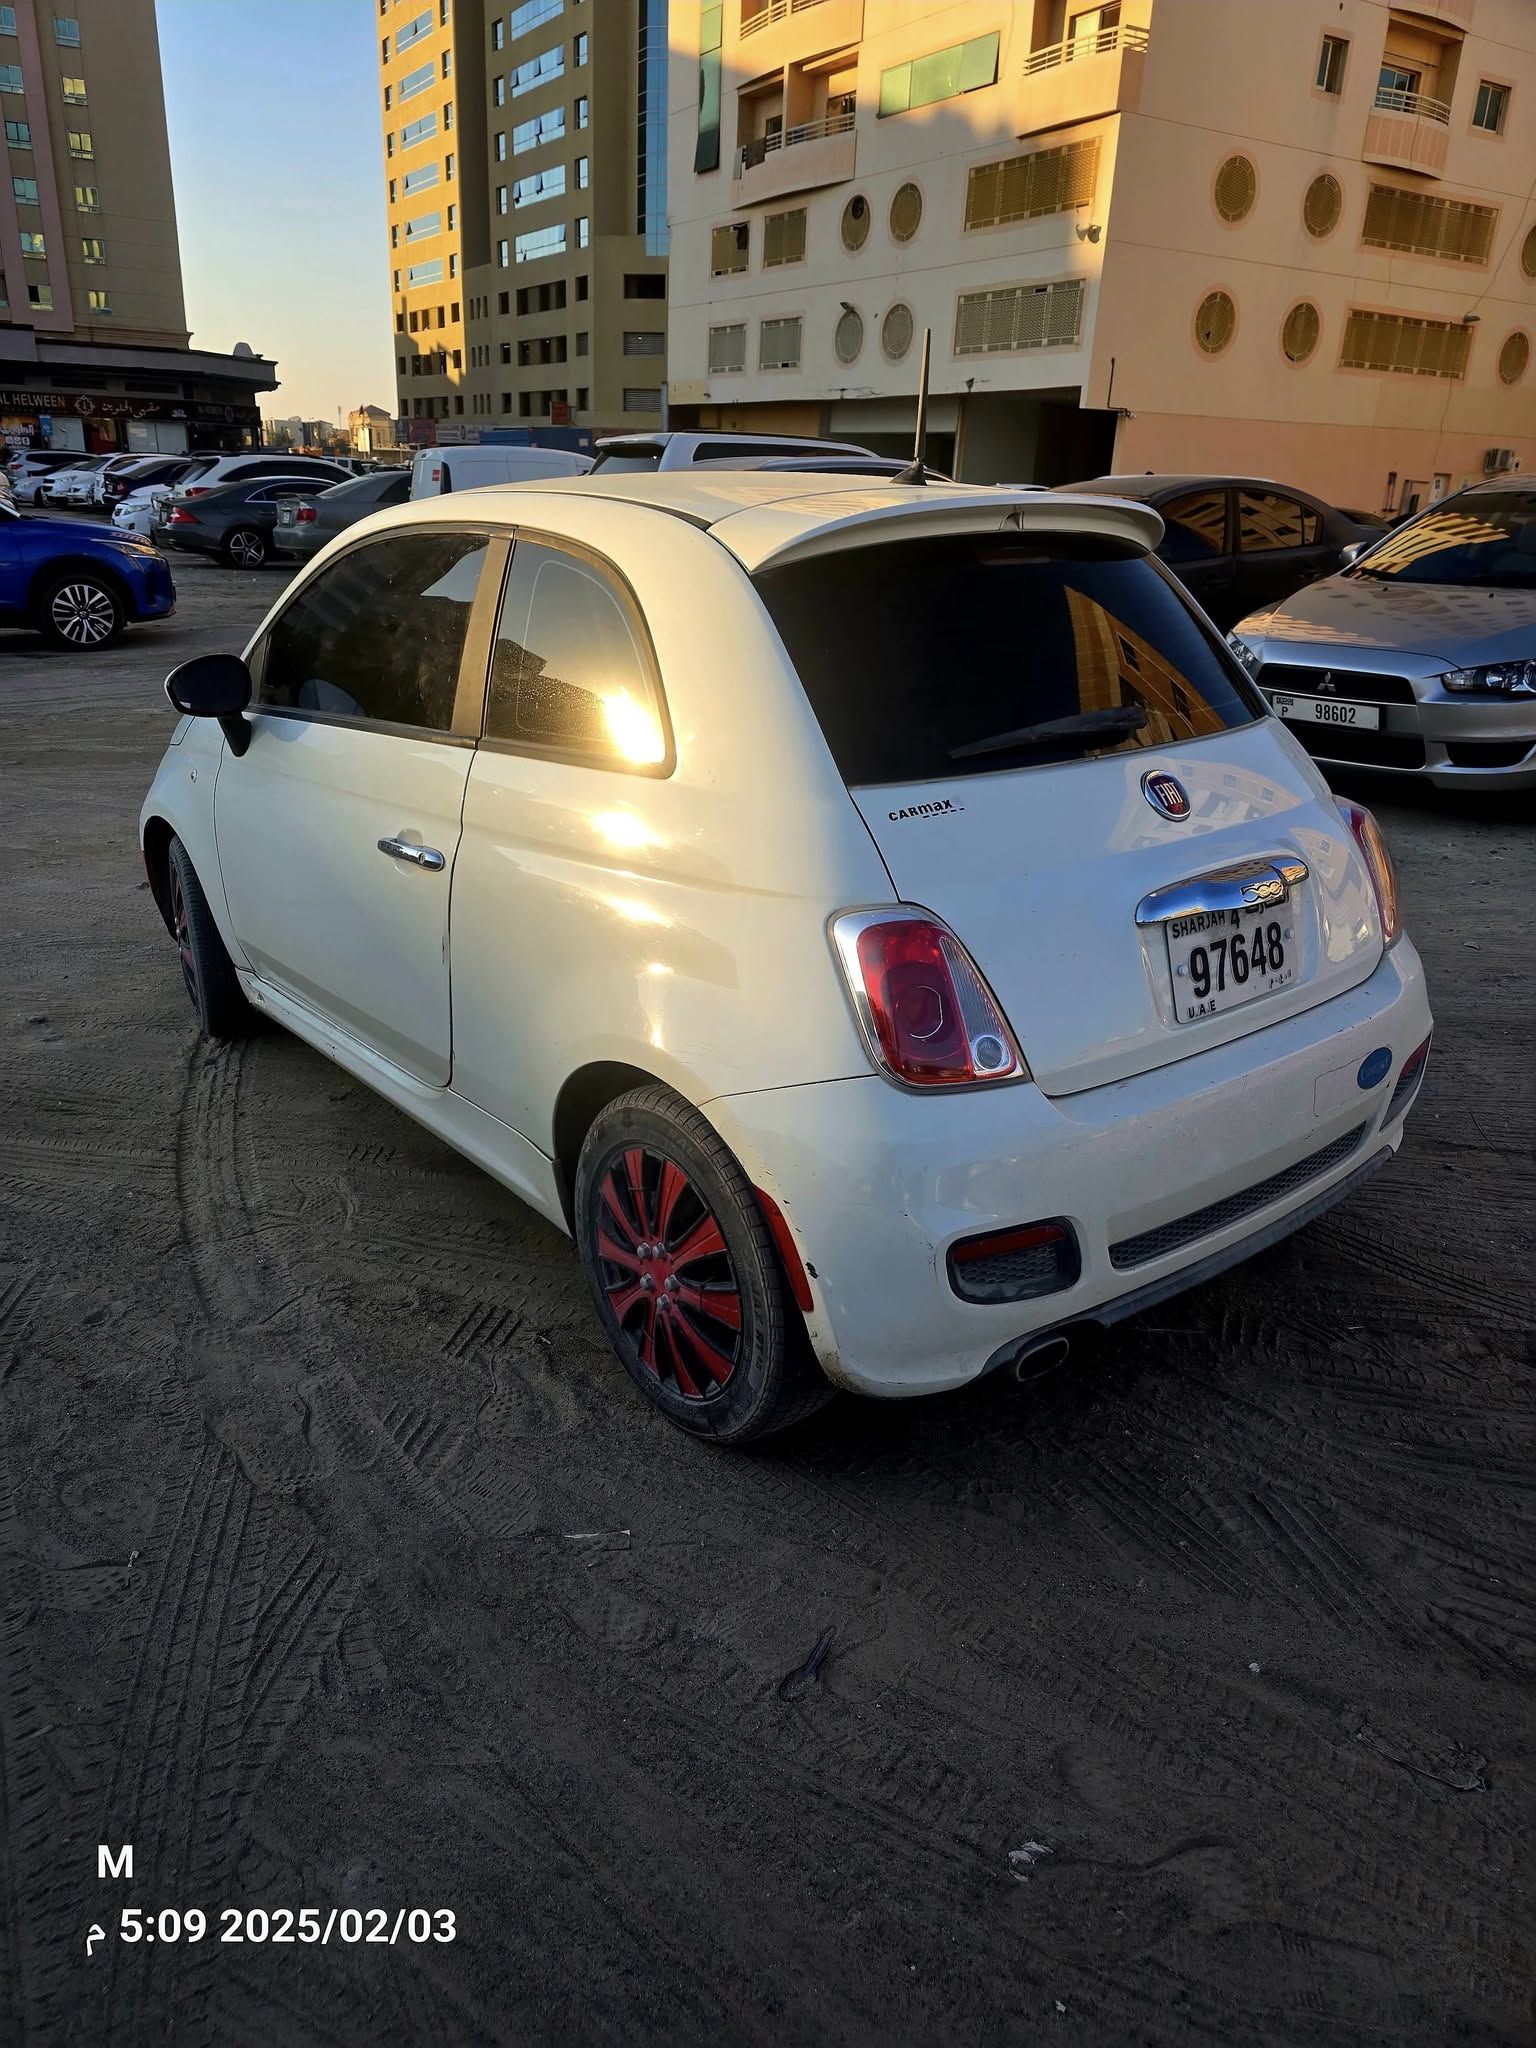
x: 183, y: 935
x: 668, y: 1275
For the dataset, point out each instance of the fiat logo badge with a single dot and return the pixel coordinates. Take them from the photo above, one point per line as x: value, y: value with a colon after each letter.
x: 1166, y: 794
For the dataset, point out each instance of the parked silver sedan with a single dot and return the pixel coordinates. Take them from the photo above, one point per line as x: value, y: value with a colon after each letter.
x: 1419, y: 657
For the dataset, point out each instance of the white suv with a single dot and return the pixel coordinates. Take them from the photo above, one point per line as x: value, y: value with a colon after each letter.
x: 229, y: 469
x: 882, y: 925
x: 636, y: 453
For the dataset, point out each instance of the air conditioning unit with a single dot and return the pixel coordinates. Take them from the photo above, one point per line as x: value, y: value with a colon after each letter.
x: 1497, y: 460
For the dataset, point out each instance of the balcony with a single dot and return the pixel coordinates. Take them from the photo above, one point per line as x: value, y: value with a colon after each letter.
x: 817, y: 25
x: 1457, y: 12
x: 1408, y: 130
x: 795, y: 159
x: 1082, y: 79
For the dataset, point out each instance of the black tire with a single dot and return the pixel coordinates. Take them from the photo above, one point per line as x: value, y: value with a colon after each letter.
x: 728, y: 1358
x: 80, y: 611
x: 206, y: 968
x: 245, y: 548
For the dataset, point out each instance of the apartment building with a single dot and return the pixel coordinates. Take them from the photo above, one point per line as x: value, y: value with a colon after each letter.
x: 94, y: 348
x: 526, y: 168
x: 1290, y: 237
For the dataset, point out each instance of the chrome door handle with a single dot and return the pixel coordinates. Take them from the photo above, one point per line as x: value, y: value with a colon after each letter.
x: 418, y: 856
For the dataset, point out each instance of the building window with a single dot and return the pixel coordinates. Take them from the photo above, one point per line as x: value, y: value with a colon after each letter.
x: 642, y: 398
x: 896, y: 331
x: 416, y: 81
x: 583, y: 111
x: 536, y: 71
x: 420, y: 180
x: 583, y: 173
x: 1330, y: 64
x: 1514, y: 356
x: 413, y: 31
x: 1029, y: 187
x: 503, y: 254
x: 422, y: 274
x: 539, y: 242
x: 7, y: 21
x: 18, y: 135
x: 644, y: 342
x: 501, y: 198
x: 729, y: 247
x: 91, y: 250
x: 32, y: 244
x: 537, y: 185
x: 41, y: 296
x: 581, y: 397
x: 651, y: 126
x: 583, y: 288
x: 447, y: 114
x: 1490, y: 107
x: 498, y: 34
x: 25, y: 190
x: 778, y: 344
x: 66, y: 31
x: 418, y: 130
x: 389, y: 143
x: 583, y: 342
x: 1021, y: 316
x: 503, y: 302
x: 100, y: 302
x: 447, y: 64
x: 499, y: 148
x: 727, y: 350
x: 706, y: 150
x: 393, y: 194
x: 1299, y: 334
x: 10, y: 78
x: 498, y: 92
x: 423, y: 227
x: 1415, y: 348
x: 784, y: 238
x: 448, y: 162
x: 389, y: 97
x: 943, y: 75
x: 74, y: 91
x: 1423, y: 225
x: 506, y: 351
x: 531, y: 15
x: 453, y: 263
x: 583, y: 232
x: 394, y: 234
x: 453, y: 221
x: 532, y: 134
x: 580, y: 50
x: 1215, y: 322
x: 81, y: 143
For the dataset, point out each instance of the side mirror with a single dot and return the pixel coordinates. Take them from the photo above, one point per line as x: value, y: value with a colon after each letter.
x: 214, y: 686
x: 1350, y: 555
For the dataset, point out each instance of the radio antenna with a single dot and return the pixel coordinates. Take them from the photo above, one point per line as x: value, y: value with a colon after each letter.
x: 915, y: 472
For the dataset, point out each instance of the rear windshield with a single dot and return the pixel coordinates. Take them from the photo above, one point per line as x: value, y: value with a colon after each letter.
x: 912, y: 649
x: 1486, y: 542
x: 620, y: 464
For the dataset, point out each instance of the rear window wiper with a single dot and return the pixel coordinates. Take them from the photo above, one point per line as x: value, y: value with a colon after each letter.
x: 1115, y: 721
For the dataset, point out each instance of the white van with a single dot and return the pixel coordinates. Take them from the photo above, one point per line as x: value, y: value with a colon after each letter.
x: 468, y: 468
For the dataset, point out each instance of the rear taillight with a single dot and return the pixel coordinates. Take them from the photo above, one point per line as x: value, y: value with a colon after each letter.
x: 928, y: 1018
x: 180, y: 518
x: 305, y: 514
x: 1378, y: 862
x: 195, y: 491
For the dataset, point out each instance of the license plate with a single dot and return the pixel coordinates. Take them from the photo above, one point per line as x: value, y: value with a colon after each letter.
x: 1325, y: 711
x: 1221, y: 959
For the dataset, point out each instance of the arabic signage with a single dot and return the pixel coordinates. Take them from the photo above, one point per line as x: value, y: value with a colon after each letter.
x: 105, y: 406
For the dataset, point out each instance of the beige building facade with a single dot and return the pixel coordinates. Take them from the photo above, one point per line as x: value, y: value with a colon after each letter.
x: 93, y: 328
x: 525, y: 166
x: 1289, y: 237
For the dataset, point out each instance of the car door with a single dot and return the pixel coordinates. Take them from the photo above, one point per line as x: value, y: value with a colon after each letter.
x: 338, y: 828
x: 13, y: 580
x: 1281, y: 545
x: 1197, y: 547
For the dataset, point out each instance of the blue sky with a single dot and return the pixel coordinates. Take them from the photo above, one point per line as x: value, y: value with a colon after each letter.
x: 276, y: 151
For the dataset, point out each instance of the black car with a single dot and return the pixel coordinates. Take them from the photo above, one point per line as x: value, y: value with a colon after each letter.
x: 305, y: 521
x: 1239, y: 544
x: 232, y: 522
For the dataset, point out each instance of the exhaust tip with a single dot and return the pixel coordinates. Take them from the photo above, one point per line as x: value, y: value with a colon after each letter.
x: 1034, y: 1361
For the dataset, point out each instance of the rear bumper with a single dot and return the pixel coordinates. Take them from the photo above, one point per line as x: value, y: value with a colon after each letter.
x: 877, y: 1184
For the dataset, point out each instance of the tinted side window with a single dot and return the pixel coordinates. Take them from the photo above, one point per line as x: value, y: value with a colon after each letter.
x: 1265, y: 520
x: 379, y: 635
x: 749, y: 451
x: 571, y: 673
x: 1197, y: 527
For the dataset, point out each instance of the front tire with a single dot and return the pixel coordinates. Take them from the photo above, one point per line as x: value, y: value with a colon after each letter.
x: 206, y: 968
x: 81, y: 612
x: 245, y: 548
x: 685, y: 1276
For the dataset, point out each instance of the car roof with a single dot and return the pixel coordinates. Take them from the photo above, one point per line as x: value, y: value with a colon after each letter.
x: 763, y: 515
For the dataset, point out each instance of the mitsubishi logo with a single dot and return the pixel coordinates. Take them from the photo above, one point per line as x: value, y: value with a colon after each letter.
x: 1327, y: 687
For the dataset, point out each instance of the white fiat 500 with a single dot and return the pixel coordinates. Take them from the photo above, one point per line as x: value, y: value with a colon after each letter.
x: 881, y: 924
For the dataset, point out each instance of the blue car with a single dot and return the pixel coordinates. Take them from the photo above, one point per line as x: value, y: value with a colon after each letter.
x: 77, y: 587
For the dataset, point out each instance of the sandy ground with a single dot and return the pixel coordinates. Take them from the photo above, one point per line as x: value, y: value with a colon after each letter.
x: 1184, y: 1697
